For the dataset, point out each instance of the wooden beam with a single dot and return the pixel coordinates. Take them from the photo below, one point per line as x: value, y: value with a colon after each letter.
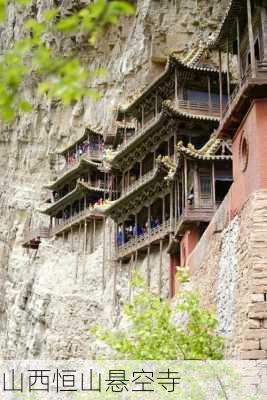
x: 251, y: 40
x: 220, y: 84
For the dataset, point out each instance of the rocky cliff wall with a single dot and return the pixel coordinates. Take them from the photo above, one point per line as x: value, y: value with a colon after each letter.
x: 46, y: 306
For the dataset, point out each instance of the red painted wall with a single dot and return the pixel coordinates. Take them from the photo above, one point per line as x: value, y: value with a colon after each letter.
x: 251, y: 175
x: 187, y: 244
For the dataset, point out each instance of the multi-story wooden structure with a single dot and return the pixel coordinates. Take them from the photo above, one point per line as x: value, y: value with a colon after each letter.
x: 157, y: 179
x: 81, y: 189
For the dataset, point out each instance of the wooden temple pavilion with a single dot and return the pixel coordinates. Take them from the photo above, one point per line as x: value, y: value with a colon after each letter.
x: 191, y: 86
x: 243, y: 34
x: 183, y: 104
x: 89, y: 146
x: 204, y: 178
x: 79, y: 191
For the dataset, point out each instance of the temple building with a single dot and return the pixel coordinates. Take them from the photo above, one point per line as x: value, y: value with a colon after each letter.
x: 81, y: 189
x: 172, y: 169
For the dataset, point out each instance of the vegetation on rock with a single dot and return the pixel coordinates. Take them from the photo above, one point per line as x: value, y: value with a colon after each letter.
x: 163, y: 329
x: 62, y: 77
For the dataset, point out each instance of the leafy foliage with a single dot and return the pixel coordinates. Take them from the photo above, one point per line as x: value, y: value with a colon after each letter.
x: 156, y: 335
x: 59, y: 76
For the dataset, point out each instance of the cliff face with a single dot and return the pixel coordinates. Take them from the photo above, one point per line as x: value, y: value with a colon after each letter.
x: 48, y: 301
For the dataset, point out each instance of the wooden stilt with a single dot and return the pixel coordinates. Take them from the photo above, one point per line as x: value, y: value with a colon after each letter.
x: 115, y: 273
x: 160, y: 266
x: 251, y: 40
x: 94, y: 235
x: 104, y: 256
x: 131, y: 276
x: 185, y: 182
x: 71, y: 233
x: 148, y: 267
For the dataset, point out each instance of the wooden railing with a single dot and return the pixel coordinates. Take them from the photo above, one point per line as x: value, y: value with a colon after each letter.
x: 139, y: 132
x: 199, y: 108
x: 138, y: 242
x: 90, y: 154
x: 145, y: 178
x: 261, y: 70
x: 67, y: 223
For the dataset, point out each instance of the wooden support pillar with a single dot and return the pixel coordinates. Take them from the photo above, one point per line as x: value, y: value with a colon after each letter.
x: 251, y: 40
x: 213, y: 186
x: 160, y: 266
x: 178, y: 196
x: 94, y: 229
x: 115, y: 272
x: 163, y: 210
x: 123, y: 182
x: 176, y: 84
x: 228, y: 70
x: 130, y: 277
x: 185, y: 183
x: 220, y: 84
x: 71, y: 233
x: 196, y: 188
x: 171, y: 207
x: 148, y: 266
x: 175, y: 201
x: 85, y: 236
x: 104, y: 255
x: 209, y: 93
x: 149, y: 219
x: 174, y: 146
x: 143, y: 116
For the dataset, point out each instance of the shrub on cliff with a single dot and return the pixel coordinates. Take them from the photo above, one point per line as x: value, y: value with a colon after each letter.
x: 163, y: 329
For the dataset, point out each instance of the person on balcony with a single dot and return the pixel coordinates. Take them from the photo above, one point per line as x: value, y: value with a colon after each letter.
x: 190, y: 198
x: 120, y: 236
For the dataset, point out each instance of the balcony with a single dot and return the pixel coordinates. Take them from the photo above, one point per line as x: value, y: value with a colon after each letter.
x: 139, y: 132
x: 68, y: 223
x: 90, y: 155
x: 239, y: 102
x: 141, y: 241
x: 197, y: 108
x: 142, y: 180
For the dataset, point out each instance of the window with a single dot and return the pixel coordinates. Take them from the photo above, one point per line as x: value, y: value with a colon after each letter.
x: 244, y: 153
x: 205, y: 186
